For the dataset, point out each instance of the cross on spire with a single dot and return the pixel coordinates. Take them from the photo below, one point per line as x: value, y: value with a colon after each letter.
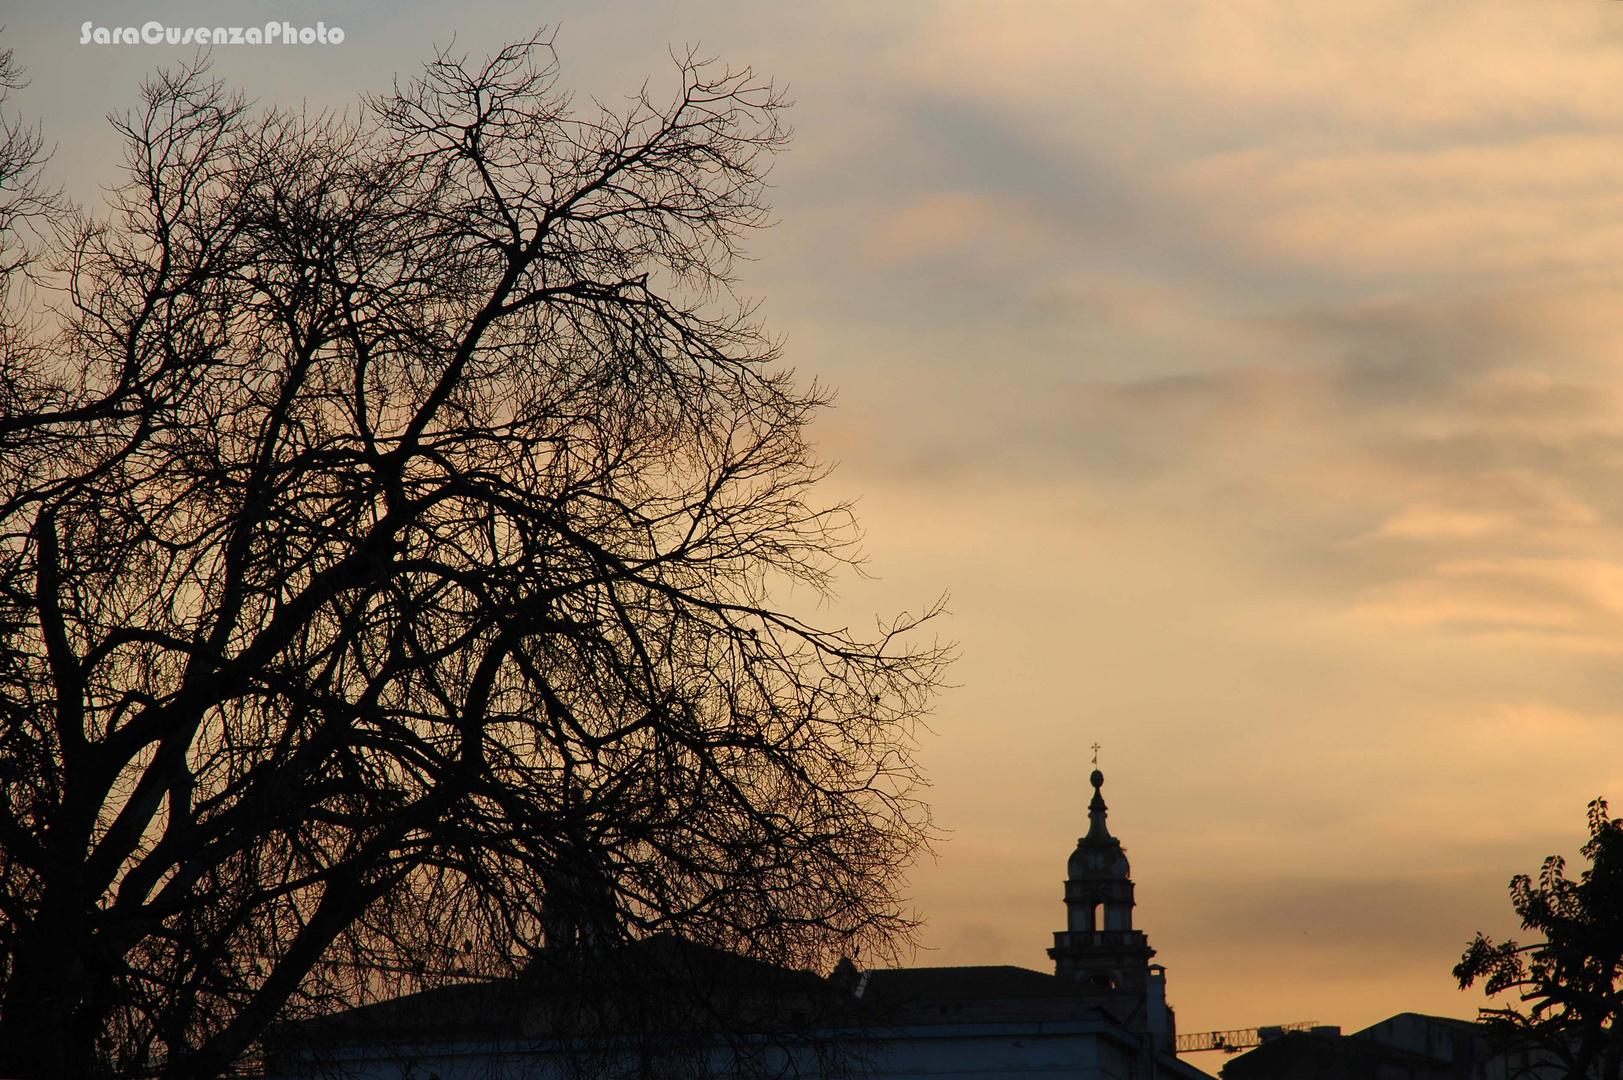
x: 1095, y: 754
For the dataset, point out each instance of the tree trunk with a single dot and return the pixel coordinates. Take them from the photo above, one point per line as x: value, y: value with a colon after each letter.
x: 46, y: 1027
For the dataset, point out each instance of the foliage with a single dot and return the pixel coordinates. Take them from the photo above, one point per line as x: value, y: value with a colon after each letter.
x: 1569, y: 981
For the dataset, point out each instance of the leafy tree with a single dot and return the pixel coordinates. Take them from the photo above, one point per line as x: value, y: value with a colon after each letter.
x: 394, y: 520
x: 1569, y: 981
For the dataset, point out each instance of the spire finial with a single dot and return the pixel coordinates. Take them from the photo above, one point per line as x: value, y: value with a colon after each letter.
x: 1096, y: 808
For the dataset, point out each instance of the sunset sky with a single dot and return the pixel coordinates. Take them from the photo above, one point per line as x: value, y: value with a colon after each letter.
x: 1248, y: 373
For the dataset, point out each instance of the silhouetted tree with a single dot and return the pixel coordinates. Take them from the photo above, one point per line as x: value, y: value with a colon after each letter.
x: 26, y: 204
x: 1570, y: 979
x: 394, y: 520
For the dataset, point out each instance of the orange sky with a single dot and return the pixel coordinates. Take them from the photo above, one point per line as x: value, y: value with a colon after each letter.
x: 1248, y: 374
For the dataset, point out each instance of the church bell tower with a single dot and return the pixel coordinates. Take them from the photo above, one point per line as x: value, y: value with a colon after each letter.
x: 1099, y: 946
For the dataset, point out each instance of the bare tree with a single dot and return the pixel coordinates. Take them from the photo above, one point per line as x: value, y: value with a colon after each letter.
x: 393, y: 530
x: 25, y: 201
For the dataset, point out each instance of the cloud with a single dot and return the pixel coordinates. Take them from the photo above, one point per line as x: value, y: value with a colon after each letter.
x: 1548, y: 204
x: 1425, y: 521
x: 960, y: 224
x: 1399, y: 66
x: 1573, y: 603
x: 1342, y: 925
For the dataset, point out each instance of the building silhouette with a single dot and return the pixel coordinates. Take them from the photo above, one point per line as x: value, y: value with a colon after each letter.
x: 1408, y: 1046
x: 1101, y: 1015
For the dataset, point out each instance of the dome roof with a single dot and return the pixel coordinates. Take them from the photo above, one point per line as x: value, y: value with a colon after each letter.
x: 1098, y: 854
